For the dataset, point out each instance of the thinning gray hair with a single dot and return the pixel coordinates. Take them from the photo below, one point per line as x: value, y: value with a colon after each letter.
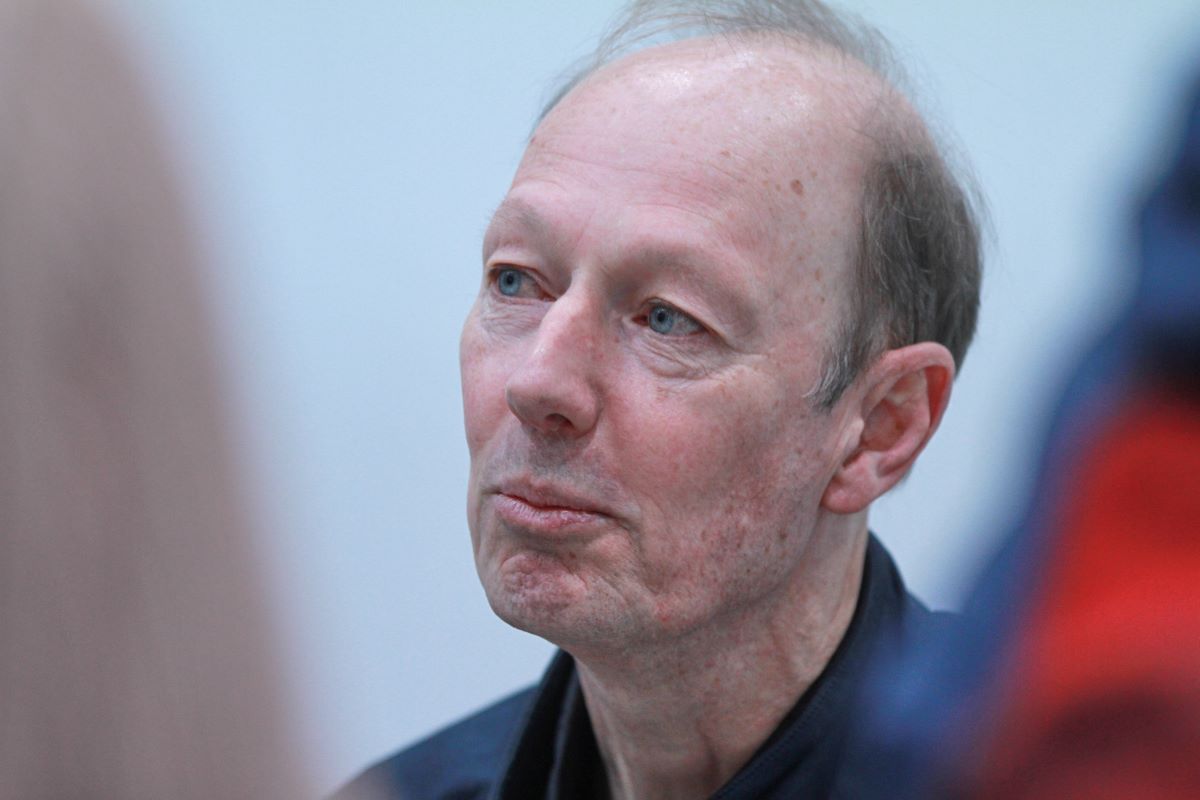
x: 918, y: 266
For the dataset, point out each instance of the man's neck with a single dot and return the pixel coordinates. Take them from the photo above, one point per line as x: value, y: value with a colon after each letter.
x: 679, y: 720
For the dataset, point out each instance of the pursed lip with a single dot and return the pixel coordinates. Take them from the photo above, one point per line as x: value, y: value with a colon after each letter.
x: 547, y: 509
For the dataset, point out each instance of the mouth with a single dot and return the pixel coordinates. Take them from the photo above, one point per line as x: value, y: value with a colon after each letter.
x: 547, y: 512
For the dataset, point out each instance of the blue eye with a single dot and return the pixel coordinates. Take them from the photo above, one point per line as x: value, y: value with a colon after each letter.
x: 509, y: 282
x: 661, y: 319
x: 667, y: 321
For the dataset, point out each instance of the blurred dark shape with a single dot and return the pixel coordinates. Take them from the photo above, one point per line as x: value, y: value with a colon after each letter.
x: 1164, y: 322
x: 135, y: 660
x: 1076, y: 669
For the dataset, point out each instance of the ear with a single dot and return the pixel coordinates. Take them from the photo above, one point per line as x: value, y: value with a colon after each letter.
x: 902, y: 398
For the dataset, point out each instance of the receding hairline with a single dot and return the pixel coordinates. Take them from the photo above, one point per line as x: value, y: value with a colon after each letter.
x: 865, y: 97
x: 803, y: 25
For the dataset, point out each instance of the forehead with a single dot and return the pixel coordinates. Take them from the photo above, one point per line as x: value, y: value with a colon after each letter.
x: 775, y: 104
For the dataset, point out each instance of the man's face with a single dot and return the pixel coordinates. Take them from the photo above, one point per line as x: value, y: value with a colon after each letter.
x: 659, y: 288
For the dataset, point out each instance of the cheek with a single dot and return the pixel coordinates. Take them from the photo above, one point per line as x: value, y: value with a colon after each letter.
x: 726, y: 497
x: 484, y: 374
x: 701, y: 441
x: 717, y: 467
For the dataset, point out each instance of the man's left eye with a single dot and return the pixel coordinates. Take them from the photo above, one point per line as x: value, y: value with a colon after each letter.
x: 667, y: 321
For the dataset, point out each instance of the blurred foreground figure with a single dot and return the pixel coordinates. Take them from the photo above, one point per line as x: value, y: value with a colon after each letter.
x: 133, y: 656
x: 1078, y: 672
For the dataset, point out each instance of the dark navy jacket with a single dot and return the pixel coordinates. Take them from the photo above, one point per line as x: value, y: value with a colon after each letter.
x: 538, y: 744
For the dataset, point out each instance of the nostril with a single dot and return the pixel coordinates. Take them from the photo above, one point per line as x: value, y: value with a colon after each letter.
x: 562, y: 406
x: 557, y: 422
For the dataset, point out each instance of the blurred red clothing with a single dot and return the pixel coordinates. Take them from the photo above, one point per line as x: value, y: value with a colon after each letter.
x: 1105, y: 699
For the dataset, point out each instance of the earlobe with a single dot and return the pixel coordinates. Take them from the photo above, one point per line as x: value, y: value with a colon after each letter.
x: 903, y: 398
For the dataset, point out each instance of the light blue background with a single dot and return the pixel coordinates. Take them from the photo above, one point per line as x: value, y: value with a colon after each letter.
x: 344, y: 158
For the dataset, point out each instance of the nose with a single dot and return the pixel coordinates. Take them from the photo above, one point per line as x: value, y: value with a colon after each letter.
x: 554, y: 389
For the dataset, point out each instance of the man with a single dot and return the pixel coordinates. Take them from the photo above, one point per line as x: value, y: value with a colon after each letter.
x: 721, y: 310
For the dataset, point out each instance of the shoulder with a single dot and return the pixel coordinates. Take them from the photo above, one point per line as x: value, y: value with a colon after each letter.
x: 460, y: 762
x: 920, y: 623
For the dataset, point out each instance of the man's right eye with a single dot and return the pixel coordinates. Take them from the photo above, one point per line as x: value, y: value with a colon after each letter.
x: 509, y: 281
x: 512, y: 282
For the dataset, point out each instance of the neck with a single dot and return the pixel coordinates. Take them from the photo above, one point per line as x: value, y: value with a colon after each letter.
x: 677, y: 719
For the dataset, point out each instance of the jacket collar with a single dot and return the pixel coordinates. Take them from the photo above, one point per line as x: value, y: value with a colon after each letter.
x: 555, y: 753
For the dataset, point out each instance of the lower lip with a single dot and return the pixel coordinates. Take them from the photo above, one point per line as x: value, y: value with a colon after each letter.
x: 547, y: 519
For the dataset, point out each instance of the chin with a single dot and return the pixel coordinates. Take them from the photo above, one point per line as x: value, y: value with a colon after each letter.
x: 533, y: 587
x: 539, y: 594
x: 547, y: 618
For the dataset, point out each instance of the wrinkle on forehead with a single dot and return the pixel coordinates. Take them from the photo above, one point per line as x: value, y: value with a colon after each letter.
x: 706, y: 193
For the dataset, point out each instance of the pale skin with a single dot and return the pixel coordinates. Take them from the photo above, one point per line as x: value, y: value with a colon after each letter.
x: 652, y: 488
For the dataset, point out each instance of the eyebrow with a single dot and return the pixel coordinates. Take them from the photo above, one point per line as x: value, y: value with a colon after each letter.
x: 516, y: 214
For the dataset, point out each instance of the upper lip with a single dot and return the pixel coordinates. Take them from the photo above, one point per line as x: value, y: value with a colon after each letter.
x: 547, y: 495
